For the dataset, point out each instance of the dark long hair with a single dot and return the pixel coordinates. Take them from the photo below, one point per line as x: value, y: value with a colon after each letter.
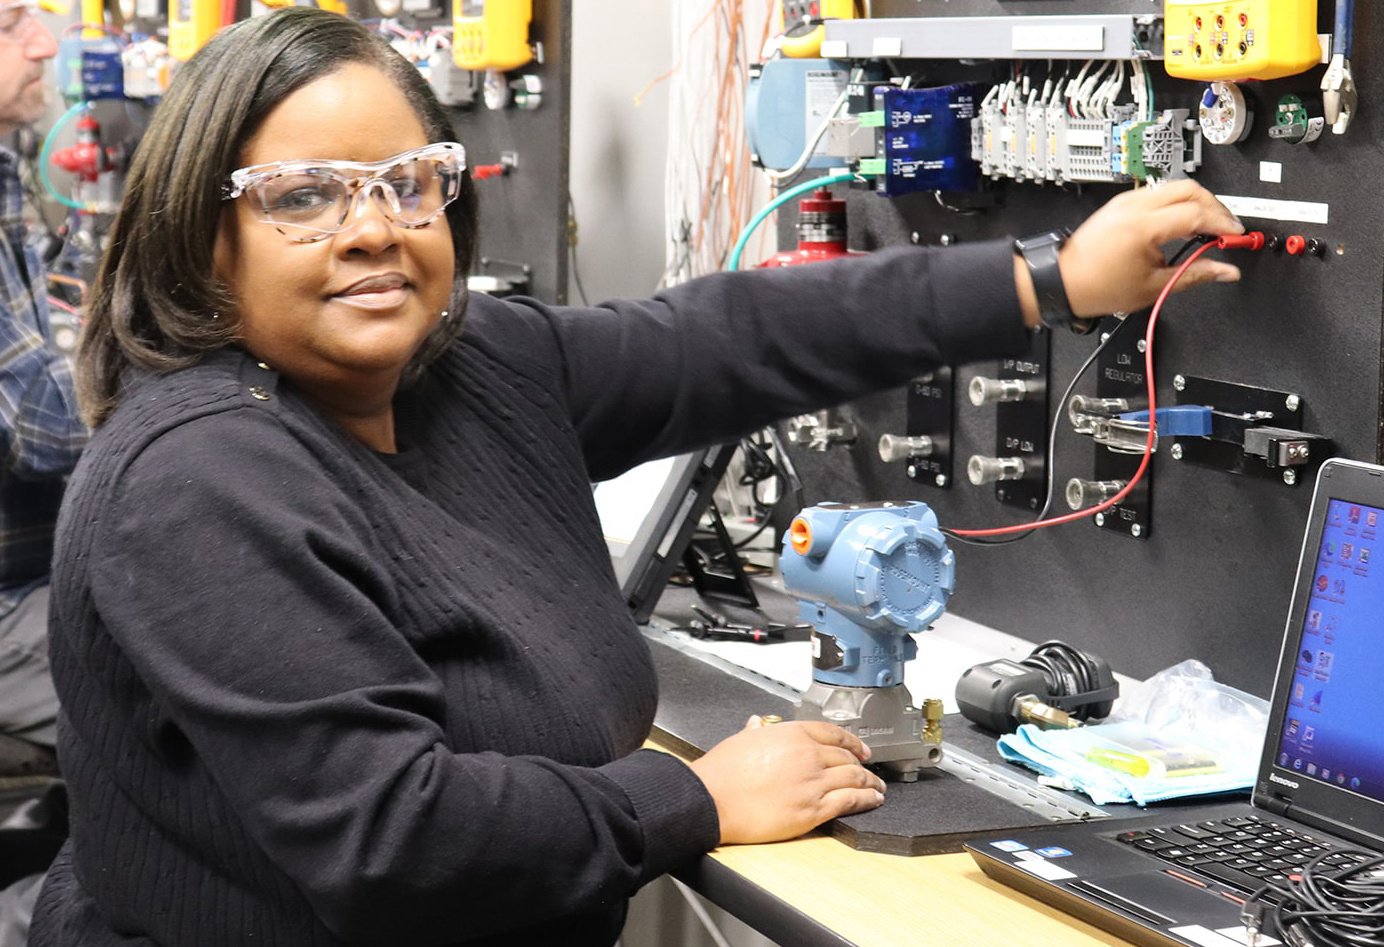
x: 154, y: 298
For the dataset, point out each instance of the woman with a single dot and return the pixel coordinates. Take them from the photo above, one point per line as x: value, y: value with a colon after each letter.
x: 341, y: 655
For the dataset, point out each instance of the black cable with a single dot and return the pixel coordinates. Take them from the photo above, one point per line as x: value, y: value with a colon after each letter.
x: 1188, y: 247
x: 1328, y: 905
x: 760, y: 467
x: 1182, y: 251
x: 1052, y: 450
x: 1069, y: 671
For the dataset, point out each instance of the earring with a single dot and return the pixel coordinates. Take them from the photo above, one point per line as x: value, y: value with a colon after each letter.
x: 445, y: 315
x: 215, y: 314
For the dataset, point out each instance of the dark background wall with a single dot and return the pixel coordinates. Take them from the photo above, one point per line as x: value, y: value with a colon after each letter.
x: 1213, y: 578
x: 523, y: 220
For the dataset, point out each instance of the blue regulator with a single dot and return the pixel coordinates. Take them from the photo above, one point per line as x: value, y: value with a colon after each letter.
x: 866, y: 576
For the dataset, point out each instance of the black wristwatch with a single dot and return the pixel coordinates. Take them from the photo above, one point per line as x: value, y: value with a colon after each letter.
x: 1054, y: 309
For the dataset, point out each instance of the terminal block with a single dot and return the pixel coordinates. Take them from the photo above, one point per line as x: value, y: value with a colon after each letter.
x: 1045, y: 143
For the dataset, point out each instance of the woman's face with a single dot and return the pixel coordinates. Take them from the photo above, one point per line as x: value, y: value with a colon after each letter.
x: 341, y: 316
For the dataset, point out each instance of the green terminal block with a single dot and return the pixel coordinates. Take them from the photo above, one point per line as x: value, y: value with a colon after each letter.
x: 1134, y: 152
x: 871, y: 166
x: 873, y: 119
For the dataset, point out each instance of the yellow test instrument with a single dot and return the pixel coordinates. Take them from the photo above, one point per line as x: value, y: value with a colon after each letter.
x: 1240, y: 39
x: 800, y: 24
x: 491, y: 34
x: 190, y: 24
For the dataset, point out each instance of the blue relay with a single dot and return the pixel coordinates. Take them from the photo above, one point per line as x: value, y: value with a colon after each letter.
x: 924, y: 139
x: 89, y: 69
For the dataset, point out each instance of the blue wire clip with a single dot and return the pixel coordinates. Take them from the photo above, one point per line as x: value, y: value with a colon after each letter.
x: 1184, y: 420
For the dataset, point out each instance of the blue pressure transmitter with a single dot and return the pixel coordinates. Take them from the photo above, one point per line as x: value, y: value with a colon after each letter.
x: 866, y: 576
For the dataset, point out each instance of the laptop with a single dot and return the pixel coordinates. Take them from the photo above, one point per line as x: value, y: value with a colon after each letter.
x: 1182, y: 877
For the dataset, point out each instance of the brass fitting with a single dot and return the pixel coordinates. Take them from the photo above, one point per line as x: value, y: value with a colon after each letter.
x: 1032, y: 710
x: 932, y: 720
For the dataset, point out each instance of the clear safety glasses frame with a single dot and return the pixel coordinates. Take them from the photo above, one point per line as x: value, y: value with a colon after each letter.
x: 16, y: 17
x: 308, y: 200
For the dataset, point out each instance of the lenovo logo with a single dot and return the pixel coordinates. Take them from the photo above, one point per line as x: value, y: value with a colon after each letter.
x: 1290, y: 783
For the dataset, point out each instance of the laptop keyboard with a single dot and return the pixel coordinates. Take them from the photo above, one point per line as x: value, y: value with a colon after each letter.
x: 1244, y: 852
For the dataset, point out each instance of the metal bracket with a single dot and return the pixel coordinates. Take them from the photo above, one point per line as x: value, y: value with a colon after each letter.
x: 1256, y: 432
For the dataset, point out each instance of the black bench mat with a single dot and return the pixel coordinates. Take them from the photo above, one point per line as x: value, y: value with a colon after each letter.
x: 700, y: 705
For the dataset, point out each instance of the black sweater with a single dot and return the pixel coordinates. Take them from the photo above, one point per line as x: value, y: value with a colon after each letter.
x: 317, y: 695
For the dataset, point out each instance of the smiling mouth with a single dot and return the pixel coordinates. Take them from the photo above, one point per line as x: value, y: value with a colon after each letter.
x: 385, y: 297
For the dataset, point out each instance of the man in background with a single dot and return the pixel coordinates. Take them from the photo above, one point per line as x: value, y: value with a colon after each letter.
x: 41, y: 435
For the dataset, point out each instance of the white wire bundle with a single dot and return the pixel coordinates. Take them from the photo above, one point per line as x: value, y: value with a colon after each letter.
x: 1093, y: 94
x: 709, y: 183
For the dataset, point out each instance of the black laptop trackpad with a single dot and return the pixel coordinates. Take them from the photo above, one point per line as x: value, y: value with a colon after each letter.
x: 1158, y: 899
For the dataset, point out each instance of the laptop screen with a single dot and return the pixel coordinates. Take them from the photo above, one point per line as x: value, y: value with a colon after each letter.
x: 1331, y: 726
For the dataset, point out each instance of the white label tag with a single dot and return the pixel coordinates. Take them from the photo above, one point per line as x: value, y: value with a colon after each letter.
x: 1266, y: 208
x: 886, y: 46
x: 1203, y: 936
x: 821, y: 90
x: 1059, y: 39
x: 1241, y: 936
x: 1271, y: 172
x: 1087, y: 137
x: 1051, y: 871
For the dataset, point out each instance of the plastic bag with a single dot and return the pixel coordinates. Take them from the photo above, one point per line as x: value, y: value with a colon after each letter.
x: 1180, y: 733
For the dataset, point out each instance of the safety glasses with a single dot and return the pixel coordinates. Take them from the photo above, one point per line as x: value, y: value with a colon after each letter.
x: 16, y: 17
x: 308, y: 200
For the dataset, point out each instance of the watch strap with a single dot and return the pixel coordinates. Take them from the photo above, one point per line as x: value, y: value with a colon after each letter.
x: 1040, y: 254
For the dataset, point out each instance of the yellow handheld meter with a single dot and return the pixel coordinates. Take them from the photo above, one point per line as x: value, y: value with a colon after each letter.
x: 491, y: 34
x: 1240, y: 39
x: 799, y: 21
x: 190, y: 24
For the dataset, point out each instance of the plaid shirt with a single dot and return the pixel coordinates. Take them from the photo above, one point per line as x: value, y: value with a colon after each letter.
x: 41, y: 433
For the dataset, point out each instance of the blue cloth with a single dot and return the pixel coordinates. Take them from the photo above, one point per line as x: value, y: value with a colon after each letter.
x: 1068, y: 757
x: 41, y: 432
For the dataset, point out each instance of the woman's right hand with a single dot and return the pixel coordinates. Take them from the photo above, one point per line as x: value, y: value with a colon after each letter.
x: 776, y: 782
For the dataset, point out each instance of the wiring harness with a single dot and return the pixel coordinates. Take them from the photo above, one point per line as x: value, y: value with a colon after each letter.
x: 1336, y: 900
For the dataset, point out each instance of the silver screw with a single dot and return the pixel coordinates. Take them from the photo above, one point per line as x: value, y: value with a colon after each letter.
x: 1105, y: 336
x: 947, y: 239
x: 1293, y: 402
x: 1179, y: 382
x: 1177, y: 452
x: 1100, y: 519
x: 999, y: 494
x: 1136, y: 530
x: 1143, y: 345
x: 914, y: 237
x: 940, y: 480
x: 1290, y: 477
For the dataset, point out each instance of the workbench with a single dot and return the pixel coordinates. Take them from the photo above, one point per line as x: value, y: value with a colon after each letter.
x: 821, y: 891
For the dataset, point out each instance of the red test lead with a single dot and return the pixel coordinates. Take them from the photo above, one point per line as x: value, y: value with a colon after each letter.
x: 1249, y: 241
x: 1254, y: 240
